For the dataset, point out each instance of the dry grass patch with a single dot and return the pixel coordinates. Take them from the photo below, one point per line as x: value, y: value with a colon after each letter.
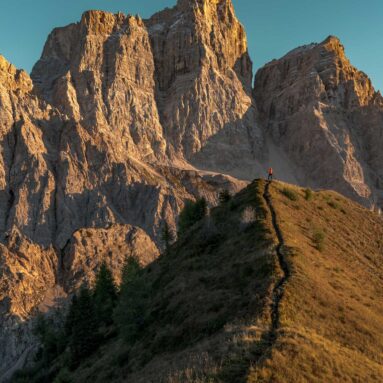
x: 328, y: 298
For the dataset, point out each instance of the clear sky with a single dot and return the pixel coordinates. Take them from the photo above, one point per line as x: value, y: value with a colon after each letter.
x: 273, y: 26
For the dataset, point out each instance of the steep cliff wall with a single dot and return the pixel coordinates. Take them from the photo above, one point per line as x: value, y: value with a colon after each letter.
x: 327, y: 117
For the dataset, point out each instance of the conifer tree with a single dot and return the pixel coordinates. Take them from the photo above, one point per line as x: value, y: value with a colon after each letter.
x: 167, y: 236
x: 83, y: 327
x: 130, y: 311
x: 191, y: 214
x: 51, y: 337
x: 105, y: 295
x: 71, y: 316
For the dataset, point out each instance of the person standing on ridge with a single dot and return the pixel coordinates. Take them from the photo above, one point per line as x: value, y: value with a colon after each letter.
x: 270, y: 177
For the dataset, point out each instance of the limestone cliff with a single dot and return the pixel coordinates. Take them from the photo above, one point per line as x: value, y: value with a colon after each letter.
x: 176, y: 86
x: 327, y: 117
x: 204, y: 74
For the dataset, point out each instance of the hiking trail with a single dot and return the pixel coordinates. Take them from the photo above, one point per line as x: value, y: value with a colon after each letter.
x: 278, y: 289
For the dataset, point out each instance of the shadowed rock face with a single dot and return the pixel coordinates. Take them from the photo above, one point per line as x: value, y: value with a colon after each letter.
x: 327, y: 117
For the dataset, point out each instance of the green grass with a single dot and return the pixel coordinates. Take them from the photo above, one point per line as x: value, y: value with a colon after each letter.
x: 309, y: 194
x: 290, y: 194
x: 319, y: 239
x: 333, y: 204
x: 210, y: 298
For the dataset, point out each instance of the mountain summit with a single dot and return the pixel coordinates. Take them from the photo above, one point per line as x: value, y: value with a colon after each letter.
x: 162, y: 88
x: 327, y: 117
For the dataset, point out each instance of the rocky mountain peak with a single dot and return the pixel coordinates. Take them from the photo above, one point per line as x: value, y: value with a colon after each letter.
x: 206, y: 6
x: 105, y: 23
x: 99, y: 22
x: 334, y: 40
x: 12, y: 78
x: 314, y: 102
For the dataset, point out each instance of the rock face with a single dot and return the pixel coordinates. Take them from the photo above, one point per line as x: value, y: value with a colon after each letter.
x: 177, y: 86
x: 327, y: 117
x: 203, y: 74
x: 27, y: 276
x: 88, y: 248
x: 100, y: 72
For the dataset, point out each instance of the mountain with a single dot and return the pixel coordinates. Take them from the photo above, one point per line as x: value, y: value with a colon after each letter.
x: 301, y: 301
x: 327, y: 117
x: 175, y: 87
x: 123, y: 120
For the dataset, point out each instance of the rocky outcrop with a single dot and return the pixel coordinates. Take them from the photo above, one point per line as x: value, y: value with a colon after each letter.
x: 88, y: 248
x: 100, y: 72
x: 327, y: 117
x: 204, y: 74
x: 27, y: 276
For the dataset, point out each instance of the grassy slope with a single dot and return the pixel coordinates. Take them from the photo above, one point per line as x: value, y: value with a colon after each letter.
x: 210, y: 312
x: 211, y: 295
x: 332, y: 311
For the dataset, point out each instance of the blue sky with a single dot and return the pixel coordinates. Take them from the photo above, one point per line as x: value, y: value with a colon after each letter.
x: 273, y: 26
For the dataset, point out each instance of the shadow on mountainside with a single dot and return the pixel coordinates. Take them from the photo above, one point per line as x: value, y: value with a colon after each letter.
x: 237, y: 149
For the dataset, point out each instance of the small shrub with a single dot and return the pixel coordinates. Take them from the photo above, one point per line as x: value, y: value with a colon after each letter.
x: 234, y: 204
x: 308, y: 195
x: 122, y: 358
x: 333, y: 204
x: 167, y: 236
x: 319, y: 240
x: 290, y: 194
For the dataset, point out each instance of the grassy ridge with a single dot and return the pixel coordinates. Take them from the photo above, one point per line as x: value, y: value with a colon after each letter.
x: 211, y: 295
x: 332, y: 311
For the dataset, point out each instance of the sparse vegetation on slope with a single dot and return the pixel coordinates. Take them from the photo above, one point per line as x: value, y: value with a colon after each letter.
x: 250, y: 294
x: 212, y: 285
x: 332, y: 310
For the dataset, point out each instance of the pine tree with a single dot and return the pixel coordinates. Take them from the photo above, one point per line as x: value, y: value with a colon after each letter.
x: 49, y: 338
x: 105, y: 295
x: 200, y: 209
x: 130, y: 311
x: 167, y: 236
x: 83, y: 327
x: 71, y: 316
x: 191, y: 214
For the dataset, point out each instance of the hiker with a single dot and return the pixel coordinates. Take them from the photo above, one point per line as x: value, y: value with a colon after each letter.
x: 270, y: 178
